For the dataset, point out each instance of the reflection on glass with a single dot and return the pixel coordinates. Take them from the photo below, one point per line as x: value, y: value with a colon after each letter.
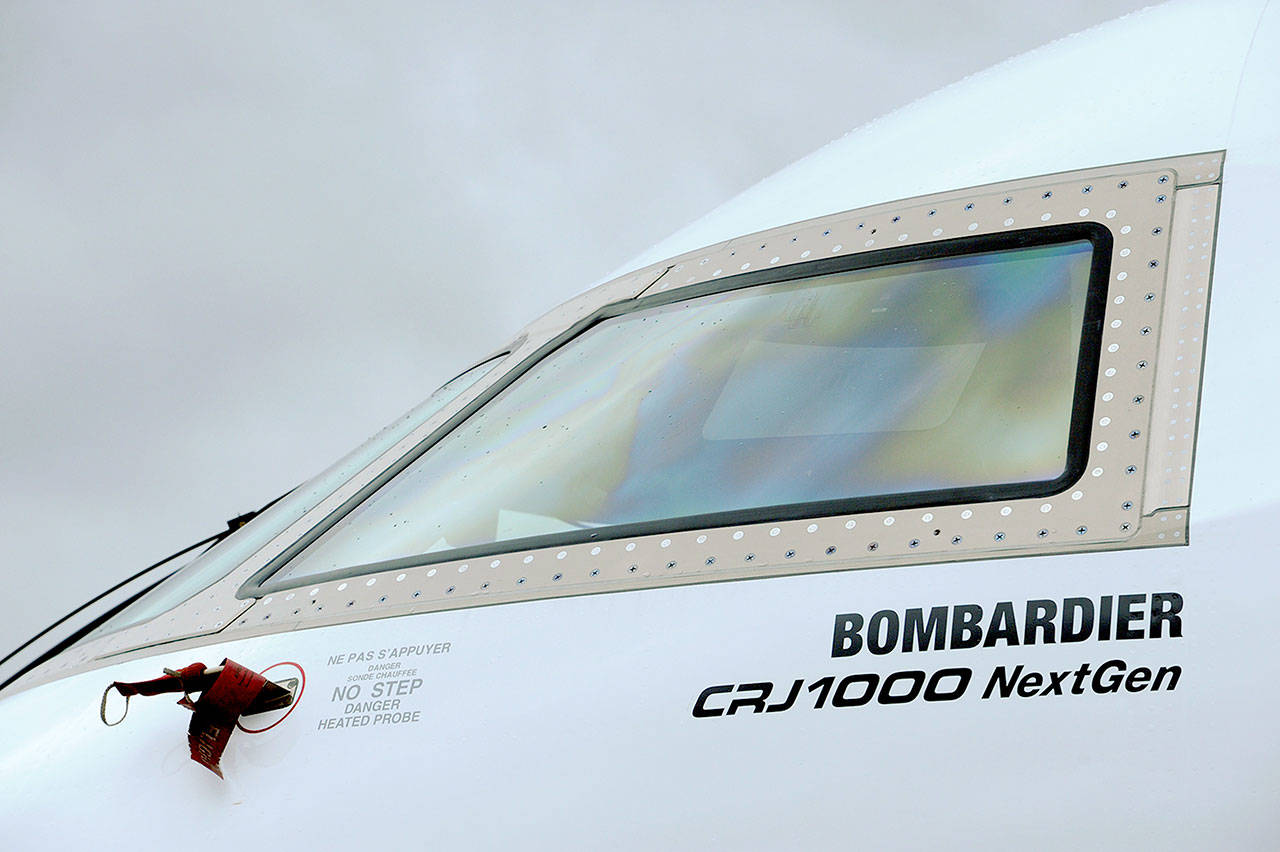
x: 219, y: 560
x: 923, y: 376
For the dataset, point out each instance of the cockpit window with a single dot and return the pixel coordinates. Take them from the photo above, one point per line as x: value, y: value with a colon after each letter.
x: 953, y: 372
x: 225, y: 556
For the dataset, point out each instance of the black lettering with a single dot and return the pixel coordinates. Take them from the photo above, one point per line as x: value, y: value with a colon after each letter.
x: 1137, y: 679
x: 1081, y: 673
x: 1126, y: 616
x: 883, y: 617
x: 1174, y: 672
x: 1104, y: 618
x: 926, y: 633
x: 1071, y: 630
x: 966, y: 632
x: 1054, y: 686
x: 1029, y: 684
x: 1003, y: 626
x: 700, y: 710
x: 962, y: 675
x: 1002, y: 680
x: 1112, y: 679
x: 917, y: 683
x: 1040, y: 617
x: 845, y: 641
x: 824, y: 685
x: 757, y: 703
x: 870, y: 680
x: 1165, y: 606
x: 791, y: 698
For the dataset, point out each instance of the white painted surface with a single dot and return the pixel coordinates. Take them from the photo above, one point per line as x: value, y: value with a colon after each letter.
x: 566, y: 723
x: 1155, y: 83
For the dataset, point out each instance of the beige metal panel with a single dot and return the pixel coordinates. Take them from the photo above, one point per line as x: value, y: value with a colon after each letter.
x: 1175, y: 406
x: 1185, y: 170
x: 1111, y: 506
x: 1197, y: 168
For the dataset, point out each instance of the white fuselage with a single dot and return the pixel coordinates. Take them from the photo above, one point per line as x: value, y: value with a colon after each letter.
x: 584, y: 720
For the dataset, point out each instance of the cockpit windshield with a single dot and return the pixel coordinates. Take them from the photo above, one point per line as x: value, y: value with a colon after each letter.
x: 226, y: 555
x: 932, y: 380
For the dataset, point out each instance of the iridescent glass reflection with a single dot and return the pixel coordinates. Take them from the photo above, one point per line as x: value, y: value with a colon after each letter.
x: 925, y: 376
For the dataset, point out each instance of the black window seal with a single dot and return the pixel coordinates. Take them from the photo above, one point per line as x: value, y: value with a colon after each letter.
x: 1078, y: 440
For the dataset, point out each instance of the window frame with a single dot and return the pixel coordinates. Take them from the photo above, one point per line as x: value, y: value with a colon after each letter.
x: 265, y: 581
x: 1163, y: 215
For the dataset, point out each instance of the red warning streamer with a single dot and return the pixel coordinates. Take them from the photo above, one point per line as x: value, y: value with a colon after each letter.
x: 226, y: 693
x: 215, y: 714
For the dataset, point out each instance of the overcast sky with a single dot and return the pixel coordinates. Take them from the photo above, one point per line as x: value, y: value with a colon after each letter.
x: 238, y: 238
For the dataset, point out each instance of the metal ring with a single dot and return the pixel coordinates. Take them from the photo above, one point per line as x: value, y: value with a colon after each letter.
x: 302, y: 687
x: 102, y: 711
